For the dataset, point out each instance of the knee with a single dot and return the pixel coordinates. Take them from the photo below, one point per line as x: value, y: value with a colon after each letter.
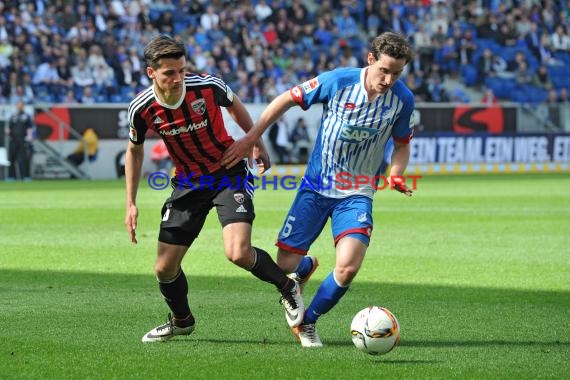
x: 345, y: 274
x: 165, y: 271
x: 240, y: 261
x: 241, y: 255
x: 288, y: 262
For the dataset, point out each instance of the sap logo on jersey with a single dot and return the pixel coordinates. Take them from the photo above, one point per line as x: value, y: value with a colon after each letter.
x: 356, y: 134
x: 190, y: 128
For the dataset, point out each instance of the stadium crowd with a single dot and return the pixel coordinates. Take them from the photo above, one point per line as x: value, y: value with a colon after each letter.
x: 74, y: 51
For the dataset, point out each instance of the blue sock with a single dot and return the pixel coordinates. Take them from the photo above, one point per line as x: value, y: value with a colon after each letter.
x: 328, y: 294
x: 305, y: 266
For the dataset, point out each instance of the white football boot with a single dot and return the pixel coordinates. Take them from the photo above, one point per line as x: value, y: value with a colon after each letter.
x: 294, y: 306
x: 167, y: 331
x: 307, y: 335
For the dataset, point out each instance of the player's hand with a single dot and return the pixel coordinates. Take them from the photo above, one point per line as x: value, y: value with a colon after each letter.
x: 131, y: 222
x: 239, y: 150
x: 402, y: 188
x: 261, y: 157
x: 397, y: 182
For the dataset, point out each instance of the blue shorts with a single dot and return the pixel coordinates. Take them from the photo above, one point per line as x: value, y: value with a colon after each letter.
x: 309, y: 214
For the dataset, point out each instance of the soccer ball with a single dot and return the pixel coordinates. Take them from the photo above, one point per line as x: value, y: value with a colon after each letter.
x: 375, y: 330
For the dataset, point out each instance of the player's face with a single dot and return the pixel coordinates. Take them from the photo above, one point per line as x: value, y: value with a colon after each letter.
x: 169, y: 77
x: 383, y: 73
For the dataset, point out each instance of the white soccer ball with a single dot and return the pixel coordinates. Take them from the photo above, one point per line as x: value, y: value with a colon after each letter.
x: 375, y: 330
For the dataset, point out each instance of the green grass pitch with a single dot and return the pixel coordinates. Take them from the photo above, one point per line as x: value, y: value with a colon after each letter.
x: 476, y: 268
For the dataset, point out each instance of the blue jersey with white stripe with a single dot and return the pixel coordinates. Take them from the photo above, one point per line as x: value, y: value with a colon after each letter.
x: 353, y: 130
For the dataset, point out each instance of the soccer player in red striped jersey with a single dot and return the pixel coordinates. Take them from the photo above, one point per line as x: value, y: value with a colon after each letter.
x: 185, y: 111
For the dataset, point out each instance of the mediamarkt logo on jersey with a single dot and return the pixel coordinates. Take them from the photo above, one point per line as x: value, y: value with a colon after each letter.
x: 190, y: 128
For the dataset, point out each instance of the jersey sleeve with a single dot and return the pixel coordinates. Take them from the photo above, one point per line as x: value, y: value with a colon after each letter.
x: 403, y: 129
x: 137, y: 129
x: 223, y: 94
x: 316, y: 90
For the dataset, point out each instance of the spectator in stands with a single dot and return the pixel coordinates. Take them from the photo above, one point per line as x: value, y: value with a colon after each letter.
x: 103, y: 79
x: 436, y: 91
x: 262, y: 10
x: 417, y: 85
x: 125, y: 75
x: 6, y: 51
x: 459, y: 96
x: 489, y: 98
x: 488, y: 26
x: 270, y: 34
x: 323, y: 35
x: 523, y: 75
x: 209, y: 18
x: 19, y: 95
x: 542, y: 79
x: 563, y: 97
x: 423, y: 43
x: 95, y: 58
x: 532, y: 39
x: 560, y: 39
x: 227, y: 73
x: 165, y: 22
x: 300, y: 141
x: 69, y: 98
x: 552, y: 96
x: 506, y: 36
x: 439, y: 37
x: 548, y: 15
x: 348, y: 59
x: 279, y: 139
x: 546, y: 52
x: 371, y: 16
x: 396, y: 20
x: 467, y: 47
x: 449, y: 57
x: 137, y: 66
x: 64, y: 73
x: 514, y: 64
x: 346, y: 25
x: 46, y: 74
x: 82, y: 76
x: 87, y: 96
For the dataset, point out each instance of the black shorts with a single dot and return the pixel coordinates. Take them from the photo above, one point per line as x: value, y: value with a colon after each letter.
x: 184, y: 212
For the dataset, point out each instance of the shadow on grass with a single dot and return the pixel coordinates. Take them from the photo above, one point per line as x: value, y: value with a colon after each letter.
x: 455, y: 343
x: 465, y: 343
x: 470, y: 313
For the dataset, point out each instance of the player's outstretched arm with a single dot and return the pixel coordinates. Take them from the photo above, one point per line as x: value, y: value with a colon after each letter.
x: 133, y: 167
x: 257, y: 152
x: 400, y: 159
x: 243, y: 146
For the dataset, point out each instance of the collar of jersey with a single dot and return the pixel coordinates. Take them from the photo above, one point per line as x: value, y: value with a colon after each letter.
x: 171, y: 106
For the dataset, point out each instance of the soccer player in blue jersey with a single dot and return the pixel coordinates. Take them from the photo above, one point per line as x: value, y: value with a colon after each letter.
x: 185, y: 111
x: 362, y: 109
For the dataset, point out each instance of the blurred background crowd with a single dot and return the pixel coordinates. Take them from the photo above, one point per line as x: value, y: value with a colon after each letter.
x: 74, y: 51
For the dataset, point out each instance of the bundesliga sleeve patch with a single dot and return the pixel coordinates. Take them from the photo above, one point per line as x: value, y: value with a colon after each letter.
x: 310, y: 85
x: 133, y: 134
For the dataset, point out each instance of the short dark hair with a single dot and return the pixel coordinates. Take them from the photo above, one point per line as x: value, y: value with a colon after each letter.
x: 392, y: 44
x: 163, y: 46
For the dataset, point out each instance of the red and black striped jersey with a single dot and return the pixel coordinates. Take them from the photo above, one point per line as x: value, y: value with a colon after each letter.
x: 193, y: 129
